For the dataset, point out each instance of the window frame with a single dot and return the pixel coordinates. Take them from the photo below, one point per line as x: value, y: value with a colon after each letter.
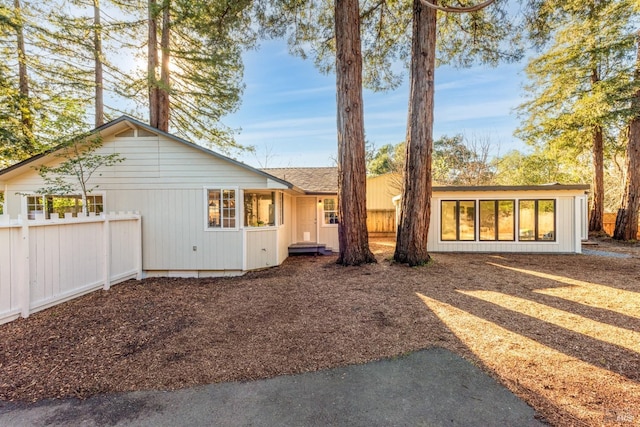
x: 323, y: 199
x: 537, y: 220
x: 274, y: 199
x: 457, y: 220
x: 237, y: 214
x: 496, y: 210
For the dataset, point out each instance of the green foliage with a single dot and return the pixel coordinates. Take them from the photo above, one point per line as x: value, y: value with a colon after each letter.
x: 487, y: 36
x: 457, y: 161
x: 388, y: 158
x: 79, y: 164
x: 541, y: 167
x: 583, y: 80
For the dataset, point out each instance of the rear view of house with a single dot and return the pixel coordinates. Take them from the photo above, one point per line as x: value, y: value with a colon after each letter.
x: 203, y: 214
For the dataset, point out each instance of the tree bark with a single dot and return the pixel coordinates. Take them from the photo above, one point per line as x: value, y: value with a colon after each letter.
x: 352, y: 209
x: 163, y: 92
x: 415, y: 213
x: 26, y: 116
x: 627, y: 218
x: 596, y: 218
x: 97, y: 51
x: 152, y: 63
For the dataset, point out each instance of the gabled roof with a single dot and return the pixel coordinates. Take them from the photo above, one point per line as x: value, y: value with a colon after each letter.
x: 124, y: 122
x: 322, y: 180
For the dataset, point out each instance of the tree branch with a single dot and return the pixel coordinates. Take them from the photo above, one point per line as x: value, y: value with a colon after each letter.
x: 461, y: 9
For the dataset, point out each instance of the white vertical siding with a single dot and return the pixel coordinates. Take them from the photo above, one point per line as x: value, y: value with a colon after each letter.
x: 285, y: 231
x: 261, y: 248
x: 380, y: 191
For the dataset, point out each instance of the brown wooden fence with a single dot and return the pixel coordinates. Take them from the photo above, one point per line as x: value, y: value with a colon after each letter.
x: 609, y: 224
x: 381, y: 222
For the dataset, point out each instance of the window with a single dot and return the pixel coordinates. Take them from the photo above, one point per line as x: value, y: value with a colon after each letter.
x: 330, y: 211
x: 537, y: 220
x: 281, y: 218
x: 62, y: 205
x: 259, y: 208
x: 221, y: 205
x: 497, y: 220
x: 458, y: 220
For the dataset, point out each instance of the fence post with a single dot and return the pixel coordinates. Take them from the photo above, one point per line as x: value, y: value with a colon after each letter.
x: 106, y: 233
x: 139, y: 246
x: 23, y: 265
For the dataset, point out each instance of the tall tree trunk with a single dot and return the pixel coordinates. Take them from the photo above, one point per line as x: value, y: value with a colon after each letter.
x: 352, y: 209
x: 596, y: 218
x: 163, y: 93
x: 627, y: 218
x: 24, y: 104
x: 415, y: 213
x: 152, y: 63
x: 97, y: 51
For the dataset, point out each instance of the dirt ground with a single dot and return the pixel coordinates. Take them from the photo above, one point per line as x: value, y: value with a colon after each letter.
x: 560, y: 331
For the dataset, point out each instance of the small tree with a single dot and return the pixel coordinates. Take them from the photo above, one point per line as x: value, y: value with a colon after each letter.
x: 80, y: 163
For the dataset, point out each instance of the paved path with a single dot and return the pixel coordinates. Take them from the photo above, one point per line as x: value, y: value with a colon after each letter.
x: 432, y: 387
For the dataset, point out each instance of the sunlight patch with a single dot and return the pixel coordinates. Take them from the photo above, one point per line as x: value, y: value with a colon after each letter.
x: 573, y: 322
x: 528, y: 365
x: 591, y: 294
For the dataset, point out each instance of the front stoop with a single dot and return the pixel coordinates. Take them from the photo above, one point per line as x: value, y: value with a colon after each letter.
x: 309, y: 248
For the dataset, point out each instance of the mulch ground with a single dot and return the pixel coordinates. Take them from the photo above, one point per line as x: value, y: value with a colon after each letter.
x: 560, y: 331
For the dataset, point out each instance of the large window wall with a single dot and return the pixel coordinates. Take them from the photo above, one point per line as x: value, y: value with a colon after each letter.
x: 497, y: 220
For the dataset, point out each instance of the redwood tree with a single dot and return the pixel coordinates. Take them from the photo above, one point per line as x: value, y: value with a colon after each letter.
x: 627, y: 218
x: 413, y: 225
x: 352, y: 210
x: 415, y: 213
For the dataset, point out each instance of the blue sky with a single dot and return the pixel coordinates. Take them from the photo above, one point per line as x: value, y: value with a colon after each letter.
x: 289, y: 108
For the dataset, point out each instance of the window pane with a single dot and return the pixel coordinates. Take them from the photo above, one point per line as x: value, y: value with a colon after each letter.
x: 506, y: 224
x: 487, y: 220
x: 330, y: 209
x: 281, y: 219
x: 546, y: 220
x: 449, y: 220
x: 228, y: 208
x: 467, y: 220
x: 259, y: 208
x: 527, y: 220
x: 214, y: 209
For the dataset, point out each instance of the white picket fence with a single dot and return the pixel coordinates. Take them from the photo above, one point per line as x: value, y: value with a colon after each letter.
x: 46, y: 262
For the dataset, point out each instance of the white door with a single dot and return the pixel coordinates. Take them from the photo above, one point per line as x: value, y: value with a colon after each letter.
x: 306, y: 219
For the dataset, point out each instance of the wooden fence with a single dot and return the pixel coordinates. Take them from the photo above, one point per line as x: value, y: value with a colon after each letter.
x: 47, y: 262
x: 609, y: 224
x: 381, y: 222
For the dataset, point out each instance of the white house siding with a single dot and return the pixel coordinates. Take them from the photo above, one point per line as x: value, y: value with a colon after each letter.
x: 567, y: 231
x: 286, y: 230
x: 165, y: 181
x: 380, y: 191
x: 261, y: 248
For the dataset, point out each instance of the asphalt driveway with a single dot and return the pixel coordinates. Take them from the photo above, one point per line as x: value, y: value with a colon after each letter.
x: 432, y: 387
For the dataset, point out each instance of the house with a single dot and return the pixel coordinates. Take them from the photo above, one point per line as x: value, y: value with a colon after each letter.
x: 536, y: 218
x: 381, y: 212
x: 203, y: 214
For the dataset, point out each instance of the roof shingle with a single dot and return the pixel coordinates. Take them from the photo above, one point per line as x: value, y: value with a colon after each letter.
x: 312, y: 180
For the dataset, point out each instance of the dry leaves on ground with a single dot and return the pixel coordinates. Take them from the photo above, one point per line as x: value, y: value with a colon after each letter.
x: 561, y: 331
